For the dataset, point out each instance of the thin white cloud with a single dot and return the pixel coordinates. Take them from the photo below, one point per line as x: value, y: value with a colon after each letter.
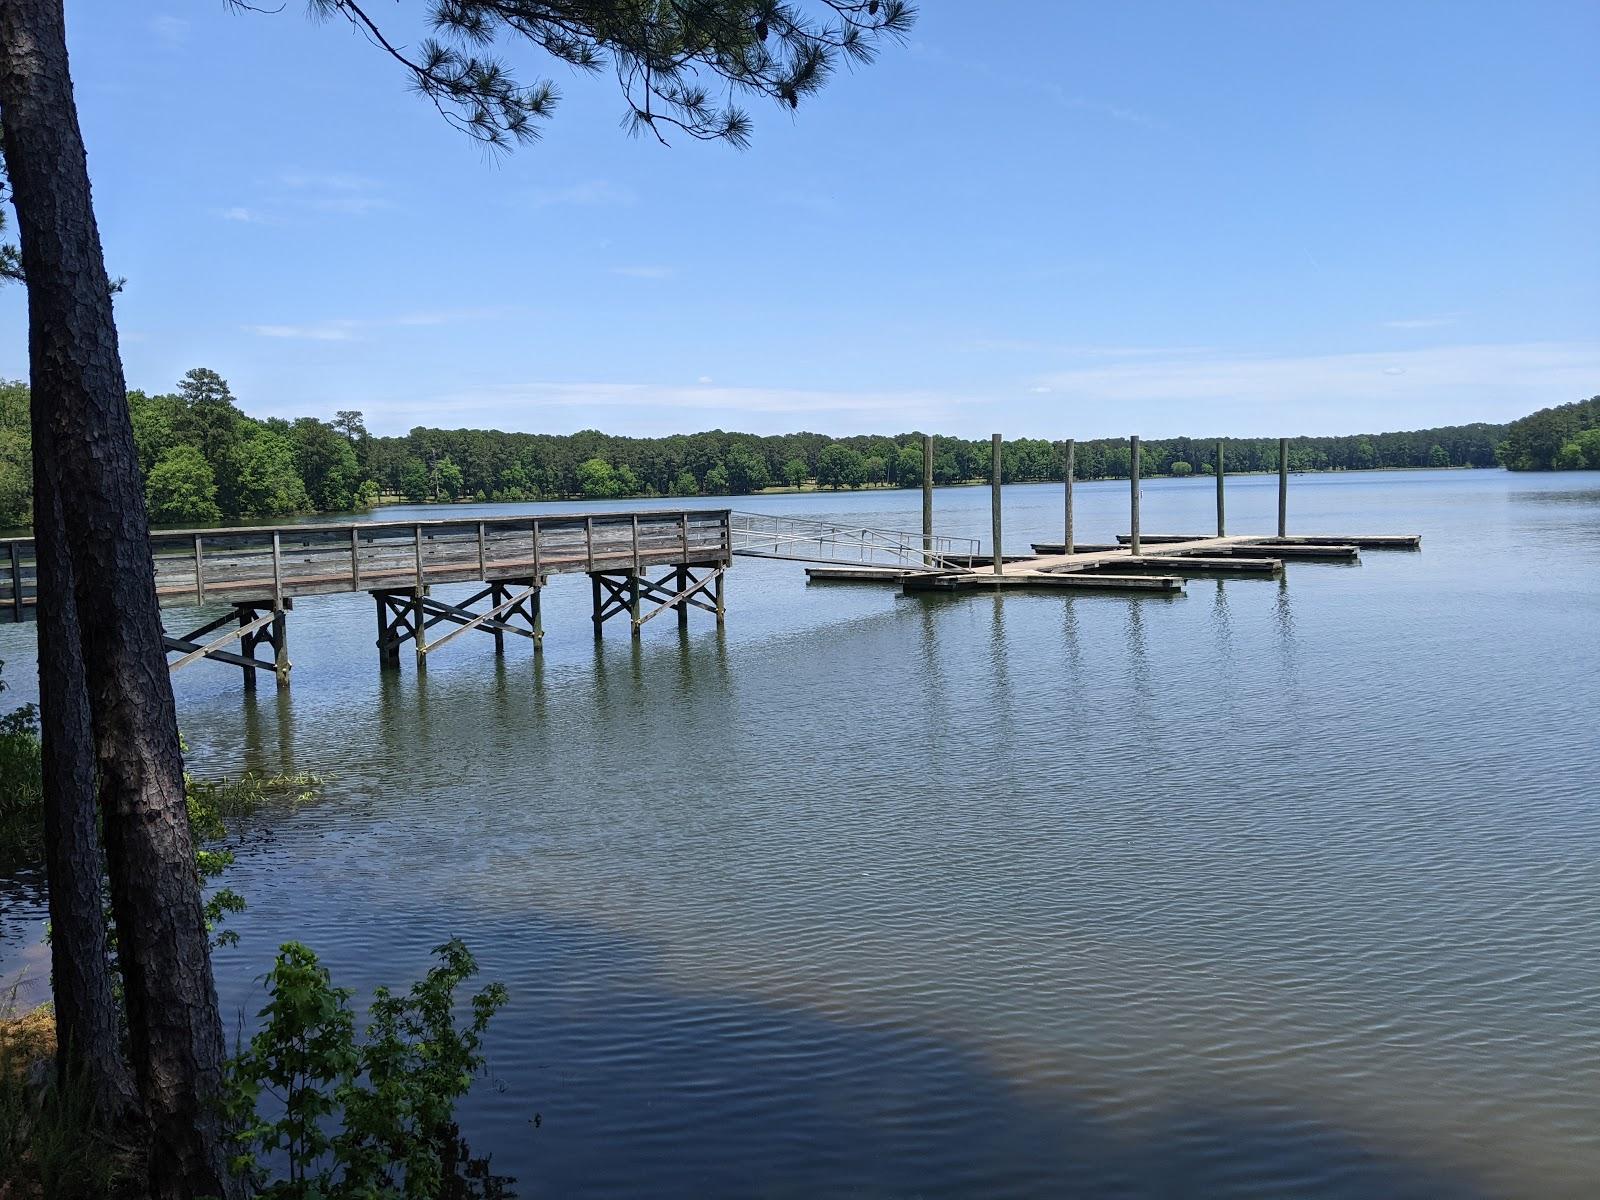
x: 643, y: 272
x: 170, y: 31
x: 331, y: 331
x: 1420, y: 323
x: 345, y: 329
x: 1333, y: 393
x: 591, y: 193
x: 247, y: 216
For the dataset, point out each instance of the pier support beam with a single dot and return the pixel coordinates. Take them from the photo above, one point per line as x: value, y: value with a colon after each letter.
x: 1133, y: 494
x: 1222, y: 515
x: 994, y: 501
x: 1066, y: 476
x: 1283, y: 487
x: 696, y: 585
x: 406, y: 615
x: 260, y: 623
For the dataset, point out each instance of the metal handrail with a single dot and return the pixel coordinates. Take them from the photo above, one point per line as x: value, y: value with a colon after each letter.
x: 807, y: 539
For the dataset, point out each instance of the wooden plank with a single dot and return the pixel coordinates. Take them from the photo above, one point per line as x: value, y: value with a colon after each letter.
x: 861, y: 574
x: 207, y: 649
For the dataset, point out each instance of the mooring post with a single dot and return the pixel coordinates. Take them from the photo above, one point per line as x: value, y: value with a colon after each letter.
x: 280, y: 645
x: 1222, y: 512
x: 927, y: 498
x: 1283, y: 487
x: 1066, y: 475
x: 1133, y: 495
x: 994, y: 500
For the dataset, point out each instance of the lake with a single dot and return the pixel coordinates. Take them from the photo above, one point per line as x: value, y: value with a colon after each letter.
x: 1275, y: 888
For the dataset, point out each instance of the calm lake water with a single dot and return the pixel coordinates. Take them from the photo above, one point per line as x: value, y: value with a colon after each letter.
x: 1277, y: 888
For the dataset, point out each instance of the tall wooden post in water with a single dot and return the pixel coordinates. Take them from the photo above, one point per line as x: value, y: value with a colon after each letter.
x: 1222, y: 512
x: 1066, y: 476
x: 927, y: 497
x: 1133, y: 494
x: 994, y: 500
x: 1283, y: 487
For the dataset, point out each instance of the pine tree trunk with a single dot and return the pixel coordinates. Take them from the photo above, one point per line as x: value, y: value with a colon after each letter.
x: 88, y: 1035
x: 174, y: 1028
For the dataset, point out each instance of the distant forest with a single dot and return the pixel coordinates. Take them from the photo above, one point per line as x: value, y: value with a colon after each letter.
x: 205, y: 460
x: 1564, y: 438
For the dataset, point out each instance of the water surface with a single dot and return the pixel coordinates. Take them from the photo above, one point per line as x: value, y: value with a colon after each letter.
x: 1277, y: 888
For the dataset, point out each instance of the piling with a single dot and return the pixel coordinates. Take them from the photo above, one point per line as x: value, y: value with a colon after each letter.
x: 1222, y: 512
x: 927, y: 497
x: 1133, y: 495
x: 1283, y: 487
x: 1066, y: 476
x: 994, y: 501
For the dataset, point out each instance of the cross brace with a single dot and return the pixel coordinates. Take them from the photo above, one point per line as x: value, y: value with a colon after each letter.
x: 407, y: 615
x: 259, y: 624
x: 681, y: 587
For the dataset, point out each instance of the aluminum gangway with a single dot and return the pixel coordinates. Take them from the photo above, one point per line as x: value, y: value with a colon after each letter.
x: 800, y: 539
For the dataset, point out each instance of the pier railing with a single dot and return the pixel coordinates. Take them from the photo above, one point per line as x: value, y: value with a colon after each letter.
x: 271, y: 563
x: 761, y: 535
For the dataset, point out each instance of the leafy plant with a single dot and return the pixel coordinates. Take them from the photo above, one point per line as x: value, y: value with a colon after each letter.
x: 369, y: 1116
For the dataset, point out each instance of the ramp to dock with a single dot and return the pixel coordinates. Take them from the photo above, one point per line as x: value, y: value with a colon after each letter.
x: 801, y: 539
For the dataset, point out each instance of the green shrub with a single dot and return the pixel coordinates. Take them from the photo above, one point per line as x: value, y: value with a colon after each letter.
x: 362, y: 1116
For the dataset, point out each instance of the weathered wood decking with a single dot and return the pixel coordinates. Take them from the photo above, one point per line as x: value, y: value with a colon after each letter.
x: 269, y: 564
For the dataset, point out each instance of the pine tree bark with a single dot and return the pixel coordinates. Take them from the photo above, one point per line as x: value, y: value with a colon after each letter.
x: 88, y: 1035
x: 174, y: 1028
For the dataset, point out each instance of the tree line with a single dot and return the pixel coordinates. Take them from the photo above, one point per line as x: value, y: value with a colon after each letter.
x: 1563, y: 438
x: 204, y: 460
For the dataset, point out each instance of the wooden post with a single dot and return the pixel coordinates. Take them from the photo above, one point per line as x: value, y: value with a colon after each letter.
x: 1133, y: 495
x: 538, y: 577
x: 388, y: 652
x: 1222, y: 513
x: 419, y: 616
x: 199, y: 570
x: 355, y: 559
x: 683, y: 605
x: 1283, y: 487
x: 247, y: 646
x: 538, y: 616
x: 416, y: 531
x: 280, y: 646
x: 483, y: 555
x: 994, y: 500
x: 277, y: 571
x: 594, y: 586
x: 498, y: 596
x: 721, y: 607
x: 1066, y: 475
x: 636, y: 563
x: 633, y: 587
x: 588, y: 542
x: 927, y: 498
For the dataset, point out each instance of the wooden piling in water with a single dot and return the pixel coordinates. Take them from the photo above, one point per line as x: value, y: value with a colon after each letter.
x: 1222, y: 513
x: 1066, y: 476
x: 1133, y: 494
x: 1283, y: 487
x: 994, y: 501
x: 927, y: 496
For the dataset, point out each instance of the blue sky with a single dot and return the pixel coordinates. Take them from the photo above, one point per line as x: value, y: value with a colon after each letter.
x: 1042, y: 219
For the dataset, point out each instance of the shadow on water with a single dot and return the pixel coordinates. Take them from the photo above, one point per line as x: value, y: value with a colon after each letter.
x: 724, y: 1095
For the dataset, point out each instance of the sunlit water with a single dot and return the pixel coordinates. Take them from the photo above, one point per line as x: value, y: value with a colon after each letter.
x: 1276, y: 888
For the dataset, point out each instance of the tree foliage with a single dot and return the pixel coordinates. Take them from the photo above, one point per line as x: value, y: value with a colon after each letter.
x: 1554, y: 439
x: 181, y: 490
x: 681, y: 66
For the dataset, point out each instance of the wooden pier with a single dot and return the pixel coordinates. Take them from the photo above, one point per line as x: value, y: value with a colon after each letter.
x: 641, y: 564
